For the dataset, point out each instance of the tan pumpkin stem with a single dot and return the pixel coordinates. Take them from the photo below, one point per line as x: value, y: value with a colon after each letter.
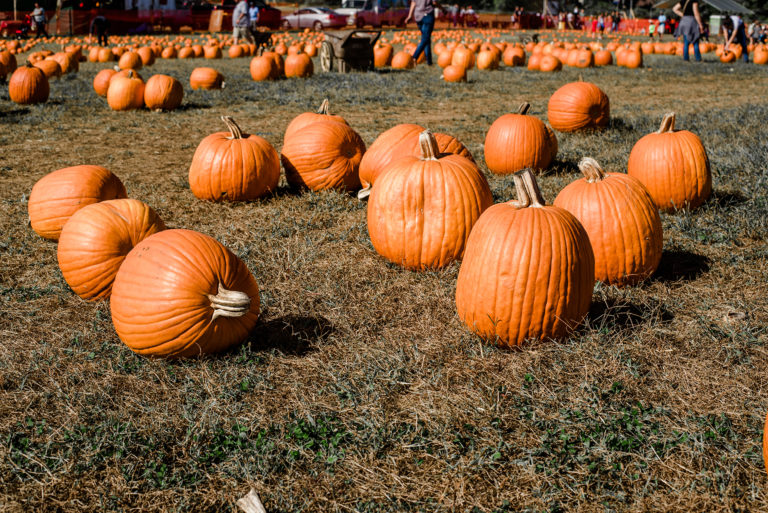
x: 429, y: 147
x: 363, y: 194
x: 229, y: 303
x: 581, y: 77
x: 667, y: 123
x: 233, y: 128
x: 325, y: 107
x: 130, y: 73
x: 528, y: 192
x: 524, y: 107
x: 591, y: 170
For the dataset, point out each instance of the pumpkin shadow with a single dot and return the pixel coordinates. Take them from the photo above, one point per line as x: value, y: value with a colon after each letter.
x: 619, y: 125
x: 561, y: 167
x: 679, y: 265
x: 726, y: 199
x: 193, y: 106
x: 621, y: 314
x: 294, y: 335
x: 13, y: 112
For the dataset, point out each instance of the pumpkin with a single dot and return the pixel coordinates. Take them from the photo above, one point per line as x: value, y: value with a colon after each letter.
x: 445, y: 58
x: 397, y: 142
x: 125, y: 93
x: 163, y: 93
x: 50, y: 67
x: 528, y: 270
x: 58, y: 195
x: 728, y: 56
x: 673, y: 166
x: 127, y: 73
x: 488, y: 60
x: 66, y: 61
x: 279, y: 68
x: 463, y: 56
x: 603, y: 58
x: 262, y: 68
x: 28, y: 85
x: 577, y: 106
x: 323, y: 155
x: 8, y: 61
x: 168, y: 52
x: 299, y: 66
x: 553, y: 145
x: 549, y: 63
x: 130, y: 60
x: 95, y: 240
x: 187, y: 53
x: 232, y: 166
x: 403, y: 60
x: 235, y: 51
x: 422, y: 209
x: 454, y: 74
x: 534, y: 61
x: 760, y: 55
x: 146, y: 55
x: 206, y: 78
x: 382, y: 55
x: 180, y: 293
x: 106, y: 55
x: 517, y: 141
x: 513, y: 56
x: 621, y: 220
x: 308, y: 118
x: 212, y: 52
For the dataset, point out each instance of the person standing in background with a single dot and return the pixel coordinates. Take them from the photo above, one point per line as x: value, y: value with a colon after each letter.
x: 662, y: 25
x: 423, y: 12
x: 241, y: 23
x: 690, y: 26
x: 734, y: 34
x: 253, y: 14
x: 38, y: 17
x: 100, y: 24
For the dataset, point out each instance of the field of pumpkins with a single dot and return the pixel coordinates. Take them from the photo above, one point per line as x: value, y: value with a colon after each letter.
x: 528, y: 277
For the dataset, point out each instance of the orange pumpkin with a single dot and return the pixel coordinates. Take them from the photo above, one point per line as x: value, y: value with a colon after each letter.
x: 382, y: 55
x: 422, y: 209
x: 146, y: 55
x: 262, y: 68
x: 50, y: 67
x: 180, y: 293
x: 463, y: 56
x: 28, y: 85
x: 308, y: 118
x: 58, y: 195
x: 673, y: 166
x: 517, y: 141
x: 403, y: 60
x: 528, y: 270
x: 621, y: 220
x: 163, y: 93
x: 603, y: 58
x: 577, y: 106
x: 513, y: 56
x: 299, y: 66
x: 549, y: 63
x: 96, y: 239
x: 125, y: 93
x: 206, y: 78
x: 455, y: 74
x: 232, y: 166
x: 130, y: 60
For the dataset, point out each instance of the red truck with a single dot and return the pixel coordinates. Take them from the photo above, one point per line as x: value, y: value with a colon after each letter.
x: 376, y: 13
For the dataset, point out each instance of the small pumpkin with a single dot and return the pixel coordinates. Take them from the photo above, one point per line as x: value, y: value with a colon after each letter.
x: 162, y: 92
x: 58, y: 195
x: 528, y: 270
x: 299, y: 66
x: 95, y: 240
x: 382, y: 55
x: 130, y: 60
x: 28, y: 85
x: 125, y: 93
x: 517, y: 141
x: 206, y: 78
x: 181, y: 294
x: 577, y: 106
x: 454, y: 74
x: 403, y: 60
x: 232, y: 166
x: 262, y: 68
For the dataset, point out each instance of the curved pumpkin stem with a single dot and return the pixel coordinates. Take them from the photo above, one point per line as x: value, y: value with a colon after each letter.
x: 428, y: 143
x: 363, y: 194
x: 581, y: 77
x: 325, y: 107
x: 523, y: 109
x: 667, y: 123
x: 229, y: 303
x: 130, y: 73
x: 591, y: 170
x: 233, y: 128
x: 528, y: 192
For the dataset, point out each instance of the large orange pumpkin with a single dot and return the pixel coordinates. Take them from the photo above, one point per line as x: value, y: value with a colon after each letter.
x: 577, y: 106
x: 528, y: 270
x: 58, y: 195
x: 50, y: 67
x: 130, y: 60
x: 96, y: 239
x: 180, y: 293
x: 308, y: 118
x: 299, y: 66
x: 28, y: 85
x: 323, y: 155
x: 621, y: 220
x: 125, y: 93
x: 206, y: 78
x: 422, y: 209
x: 673, y: 166
x: 517, y: 141
x: 382, y: 55
x: 262, y: 68
x: 232, y: 166
x: 403, y: 60
x: 453, y: 73
x: 162, y: 92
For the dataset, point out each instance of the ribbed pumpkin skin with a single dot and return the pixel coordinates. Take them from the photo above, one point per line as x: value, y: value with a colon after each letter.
x: 421, y: 212
x: 205, y: 78
x: 577, y: 106
x: 674, y: 167
x: 28, y: 85
x: 623, y: 225
x: 125, y: 93
x: 162, y: 92
x: 399, y: 141
x: 323, y: 155
x: 307, y: 118
x: 101, y: 81
x: 160, y: 304
x: 515, y: 142
x: 58, y: 195
x: 227, y: 169
x: 527, y: 273
x: 96, y: 239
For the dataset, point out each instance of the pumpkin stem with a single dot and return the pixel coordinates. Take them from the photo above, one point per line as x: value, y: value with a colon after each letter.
x: 229, y: 303
x: 591, y: 170
x: 428, y: 143
x: 523, y: 109
x: 130, y: 73
x: 325, y: 107
x: 581, y: 77
x: 233, y: 128
x: 363, y: 194
x: 667, y: 123
x: 528, y: 192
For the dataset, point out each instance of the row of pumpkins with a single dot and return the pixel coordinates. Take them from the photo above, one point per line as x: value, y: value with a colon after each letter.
x: 527, y: 270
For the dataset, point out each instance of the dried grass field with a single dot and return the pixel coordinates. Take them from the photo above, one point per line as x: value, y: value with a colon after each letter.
x: 360, y: 390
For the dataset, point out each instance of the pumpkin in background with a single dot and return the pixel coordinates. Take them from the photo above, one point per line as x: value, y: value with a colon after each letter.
x: 206, y: 78
x: 513, y: 56
x: 180, y: 294
x: 8, y: 61
x: 403, y: 60
x: 397, y: 142
x: 299, y: 66
x: 382, y: 55
x: 262, y: 68
x: 673, y: 166
x: 126, y: 73
x: 577, y: 106
x: 760, y: 55
x: 603, y: 58
x: 445, y: 58
x: 163, y: 93
x: 125, y: 93
x: 212, y: 52
x: 463, y: 56
x: 308, y: 118
x: 517, y: 141
x: 422, y: 209
x: 550, y: 63
x: 528, y: 270
x: 96, y: 239
x: 454, y: 74
x: 67, y: 62
x: 232, y: 166
x: 50, y: 67
x: 727, y: 56
x: 279, y: 67
x: 58, y: 195
x: 186, y: 53
x: 622, y: 222
x: 553, y: 145
x: 28, y: 85
x: 168, y: 52
x: 323, y: 155
x: 488, y: 60
x: 130, y: 60
x: 146, y: 55
x: 534, y: 61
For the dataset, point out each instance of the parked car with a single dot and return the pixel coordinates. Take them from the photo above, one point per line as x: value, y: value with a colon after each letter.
x: 376, y: 13
x: 268, y: 15
x: 317, y: 18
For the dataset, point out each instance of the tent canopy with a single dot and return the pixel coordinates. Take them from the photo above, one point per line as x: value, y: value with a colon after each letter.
x: 720, y: 5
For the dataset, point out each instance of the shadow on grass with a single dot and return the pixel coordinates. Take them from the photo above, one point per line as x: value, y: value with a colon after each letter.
x: 13, y: 112
x: 561, y: 167
x: 294, y: 335
x: 619, y: 125
x: 193, y: 106
x: 677, y: 265
x: 622, y: 314
x: 726, y: 199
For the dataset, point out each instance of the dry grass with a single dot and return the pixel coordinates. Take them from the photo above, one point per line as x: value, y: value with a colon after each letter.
x: 360, y: 390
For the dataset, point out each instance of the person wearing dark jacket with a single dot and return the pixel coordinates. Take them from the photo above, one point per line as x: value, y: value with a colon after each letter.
x: 100, y: 24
